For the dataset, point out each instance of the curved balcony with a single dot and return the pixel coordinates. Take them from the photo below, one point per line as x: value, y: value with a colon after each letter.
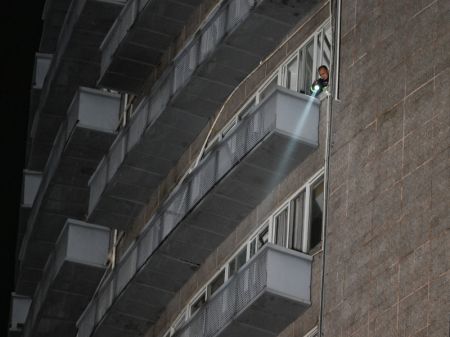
x: 76, y: 62
x: 138, y: 38
x: 71, y: 275
x: 276, y: 136
x: 83, y: 138
x: 230, y: 44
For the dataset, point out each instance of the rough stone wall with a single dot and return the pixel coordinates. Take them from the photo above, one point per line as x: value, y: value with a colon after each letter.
x: 387, y: 256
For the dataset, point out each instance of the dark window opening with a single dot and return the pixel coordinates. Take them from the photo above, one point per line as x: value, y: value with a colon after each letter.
x: 315, y: 235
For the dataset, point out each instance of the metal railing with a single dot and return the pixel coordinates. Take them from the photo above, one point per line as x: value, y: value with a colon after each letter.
x: 260, y: 121
x: 221, y: 21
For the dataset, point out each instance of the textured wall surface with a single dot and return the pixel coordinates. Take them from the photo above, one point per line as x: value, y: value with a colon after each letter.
x: 388, y: 243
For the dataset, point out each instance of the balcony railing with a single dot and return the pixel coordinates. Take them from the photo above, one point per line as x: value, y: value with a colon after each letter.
x: 228, y: 46
x: 277, y: 135
x: 71, y: 275
x: 261, y: 299
x: 138, y: 38
x: 84, y: 136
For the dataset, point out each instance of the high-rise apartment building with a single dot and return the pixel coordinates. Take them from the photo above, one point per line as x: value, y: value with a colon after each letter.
x: 184, y: 178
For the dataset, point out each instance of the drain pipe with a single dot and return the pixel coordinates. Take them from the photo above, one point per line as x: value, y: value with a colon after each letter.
x: 334, y: 86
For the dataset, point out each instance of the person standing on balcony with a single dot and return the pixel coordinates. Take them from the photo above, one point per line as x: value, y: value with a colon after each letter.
x: 321, y: 83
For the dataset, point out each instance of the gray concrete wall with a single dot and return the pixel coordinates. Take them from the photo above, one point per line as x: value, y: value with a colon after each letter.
x: 388, y: 246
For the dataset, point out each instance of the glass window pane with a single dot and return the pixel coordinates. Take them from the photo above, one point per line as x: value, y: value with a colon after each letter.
x: 252, y: 248
x: 309, y: 62
x: 216, y: 283
x: 315, y: 235
x: 281, y: 228
x: 263, y: 237
x: 198, y: 303
x: 241, y: 258
x: 292, y: 74
x: 326, y: 50
x: 296, y: 232
x: 319, y: 49
x: 232, y: 267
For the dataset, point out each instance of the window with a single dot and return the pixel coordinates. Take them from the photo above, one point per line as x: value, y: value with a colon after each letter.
x: 281, y: 227
x: 198, y: 303
x: 296, y: 222
x: 292, y: 74
x: 238, y: 261
x: 316, y: 215
x: 216, y: 283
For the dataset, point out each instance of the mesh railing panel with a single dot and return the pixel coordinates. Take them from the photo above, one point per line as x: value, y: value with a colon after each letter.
x: 137, y: 127
x: 185, y: 66
x: 213, y: 34
x: 237, y: 10
x: 240, y: 291
x: 97, y: 185
x: 126, y: 270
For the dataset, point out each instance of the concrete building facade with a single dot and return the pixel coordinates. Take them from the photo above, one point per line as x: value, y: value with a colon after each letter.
x: 183, y: 177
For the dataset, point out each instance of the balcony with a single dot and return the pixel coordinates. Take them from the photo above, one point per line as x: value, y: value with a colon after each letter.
x: 71, y: 275
x: 75, y: 63
x: 230, y: 44
x: 19, y: 311
x: 262, y: 299
x: 276, y: 136
x: 81, y: 141
x: 140, y: 35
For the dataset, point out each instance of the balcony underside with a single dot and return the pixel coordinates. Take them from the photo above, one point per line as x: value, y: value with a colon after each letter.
x: 76, y: 63
x: 276, y: 137
x: 66, y: 300
x: 128, y: 60
x: 81, y: 142
x: 165, y: 125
